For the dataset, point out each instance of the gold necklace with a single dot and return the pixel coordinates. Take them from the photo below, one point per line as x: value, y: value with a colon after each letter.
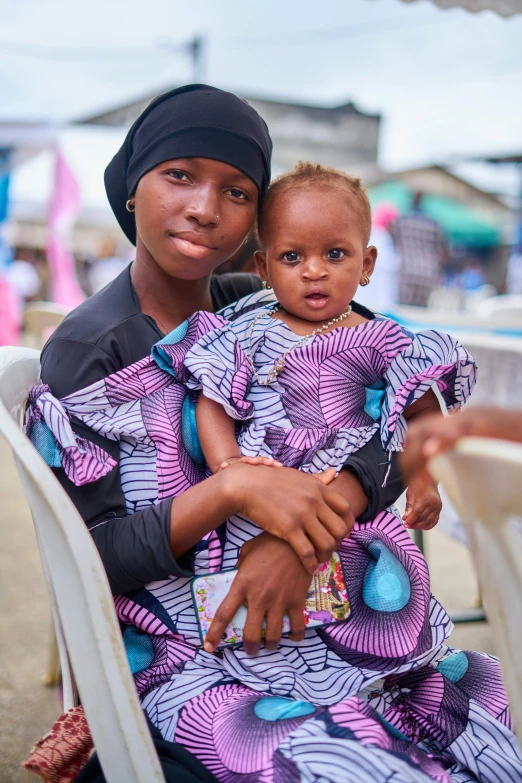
x: 279, y: 366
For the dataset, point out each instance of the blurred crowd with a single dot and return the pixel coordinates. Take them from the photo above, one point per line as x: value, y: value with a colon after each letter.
x: 416, y: 266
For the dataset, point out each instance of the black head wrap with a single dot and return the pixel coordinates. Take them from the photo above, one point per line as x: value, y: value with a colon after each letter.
x: 195, y: 121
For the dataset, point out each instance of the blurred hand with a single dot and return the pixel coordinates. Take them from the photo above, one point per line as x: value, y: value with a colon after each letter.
x: 433, y: 434
x: 271, y: 582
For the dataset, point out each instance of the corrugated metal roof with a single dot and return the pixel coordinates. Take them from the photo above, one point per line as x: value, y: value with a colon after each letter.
x: 501, y: 7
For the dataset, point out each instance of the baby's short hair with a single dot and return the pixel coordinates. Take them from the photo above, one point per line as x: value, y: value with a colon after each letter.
x: 314, y: 175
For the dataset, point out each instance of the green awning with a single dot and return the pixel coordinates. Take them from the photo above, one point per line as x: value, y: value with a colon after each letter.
x: 460, y: 224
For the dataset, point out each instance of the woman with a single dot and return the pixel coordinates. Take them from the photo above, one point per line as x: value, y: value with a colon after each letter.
x: 184, y: 187
x: 170, y: 279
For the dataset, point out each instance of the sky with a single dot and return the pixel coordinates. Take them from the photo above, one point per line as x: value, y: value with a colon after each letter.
x: 447, y: 83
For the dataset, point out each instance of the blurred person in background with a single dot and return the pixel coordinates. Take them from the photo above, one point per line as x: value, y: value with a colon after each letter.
x: 19, y: 283
x: 10, y: 312
x: 472, y: 277
x: 514, y: 271
x: 25, y: 279
x: 383, y: 294
x: 422, y: 250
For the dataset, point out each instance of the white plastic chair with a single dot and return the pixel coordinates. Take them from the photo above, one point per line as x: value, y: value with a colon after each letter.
x: 507, y: 308
x: 483, y: 478
x: 87, y: 630
x: 39, y: 317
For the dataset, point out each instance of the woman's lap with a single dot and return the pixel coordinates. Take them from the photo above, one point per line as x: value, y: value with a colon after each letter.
x: 447, y: 721
x: 293, y: 714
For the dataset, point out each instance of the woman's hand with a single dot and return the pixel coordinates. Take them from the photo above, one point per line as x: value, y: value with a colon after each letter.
x: 423, y: 503
x: 271, y: 582
x: 294, y: 506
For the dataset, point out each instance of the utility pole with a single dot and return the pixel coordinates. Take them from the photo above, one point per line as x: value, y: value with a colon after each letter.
x: 194, y: 49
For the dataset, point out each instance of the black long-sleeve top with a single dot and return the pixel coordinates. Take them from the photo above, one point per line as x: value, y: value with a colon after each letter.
x: 103, y: 335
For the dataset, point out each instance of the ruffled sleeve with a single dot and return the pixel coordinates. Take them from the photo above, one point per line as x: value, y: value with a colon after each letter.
x: 219, y: 367
x: 431, y: 357
x: 48, y: 427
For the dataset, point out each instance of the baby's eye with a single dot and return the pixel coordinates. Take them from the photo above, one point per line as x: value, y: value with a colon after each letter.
x: 292, y: 256
x: 236, y: 193
x: 336, y: 253
x: 179, y: 175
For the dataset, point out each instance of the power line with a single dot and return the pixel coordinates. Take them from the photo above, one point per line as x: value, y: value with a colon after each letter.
x: 299, y: 37
x: 72, y: 54
x: 291, y: 38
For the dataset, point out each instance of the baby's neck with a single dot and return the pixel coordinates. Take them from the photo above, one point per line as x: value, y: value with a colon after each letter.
x: 302, y: 327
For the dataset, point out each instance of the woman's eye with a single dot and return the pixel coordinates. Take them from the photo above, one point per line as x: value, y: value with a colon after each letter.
x: 179, y: 175
x: 236, y: 193
x: 292, y: 256
x: 336, y: 254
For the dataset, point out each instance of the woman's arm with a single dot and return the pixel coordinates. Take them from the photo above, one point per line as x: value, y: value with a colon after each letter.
x: 377, y: 480
x: 134, y: 547
x: 216, y: 432
x: 314, y: 521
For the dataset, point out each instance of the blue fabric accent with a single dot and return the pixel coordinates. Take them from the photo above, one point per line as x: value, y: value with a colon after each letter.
x: 189, y: 430
x: 139, y: 649
x: 45, y: 443
x: 374, y: 399
x: 161, y: 357
x: 390, y: 728
x: 386, y: 585
x: 455, y: 667
x: 274, y: 708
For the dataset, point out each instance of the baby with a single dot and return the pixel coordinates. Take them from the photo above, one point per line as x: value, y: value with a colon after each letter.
x: 310, y: 376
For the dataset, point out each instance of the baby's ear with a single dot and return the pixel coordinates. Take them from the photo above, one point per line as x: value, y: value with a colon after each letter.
x: 260, y: 259
x: 370, y: 257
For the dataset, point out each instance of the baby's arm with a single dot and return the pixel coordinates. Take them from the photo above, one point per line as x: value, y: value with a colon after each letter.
x: 423, y: 503
x: 216, y: 432
x: 217, y: 437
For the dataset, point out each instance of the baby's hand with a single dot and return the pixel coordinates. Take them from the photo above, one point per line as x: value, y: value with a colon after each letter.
x: 266, y: 461
x: 423, y: 503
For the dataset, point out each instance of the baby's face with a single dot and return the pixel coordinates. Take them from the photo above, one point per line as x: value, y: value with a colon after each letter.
x: 315, y: 253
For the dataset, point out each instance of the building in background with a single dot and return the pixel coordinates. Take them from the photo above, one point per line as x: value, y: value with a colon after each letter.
x: 479, y: 225
x: 341, y: 136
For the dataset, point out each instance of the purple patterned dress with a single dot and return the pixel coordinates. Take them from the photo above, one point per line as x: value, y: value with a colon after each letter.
x: 378, y: 698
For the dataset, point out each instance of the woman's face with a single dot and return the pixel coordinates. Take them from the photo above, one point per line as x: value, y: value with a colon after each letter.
x: 193, y: 214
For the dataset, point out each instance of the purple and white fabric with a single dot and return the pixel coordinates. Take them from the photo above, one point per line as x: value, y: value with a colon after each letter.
x: 297, y: 713
x: 336, y: 390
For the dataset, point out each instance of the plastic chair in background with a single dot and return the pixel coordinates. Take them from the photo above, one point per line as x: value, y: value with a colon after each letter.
x: 483, y: 479
x: 39, y: 320
x: 87, y: 629
x: 507, y: 308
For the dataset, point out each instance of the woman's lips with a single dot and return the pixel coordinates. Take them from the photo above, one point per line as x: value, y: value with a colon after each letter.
x: 192, y: 249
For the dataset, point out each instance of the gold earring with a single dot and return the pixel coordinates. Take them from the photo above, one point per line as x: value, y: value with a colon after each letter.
x: 266, y: 285
x: 130, y: 206
x: 365, y: 280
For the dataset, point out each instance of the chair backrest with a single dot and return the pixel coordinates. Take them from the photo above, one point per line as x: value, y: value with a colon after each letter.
x: 483, y: 479
x: 39, y: 317
x: 82, y: 604
x: 507, y: 307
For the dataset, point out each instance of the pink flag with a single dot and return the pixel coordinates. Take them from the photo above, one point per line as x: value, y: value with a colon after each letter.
x: 64, y: 209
